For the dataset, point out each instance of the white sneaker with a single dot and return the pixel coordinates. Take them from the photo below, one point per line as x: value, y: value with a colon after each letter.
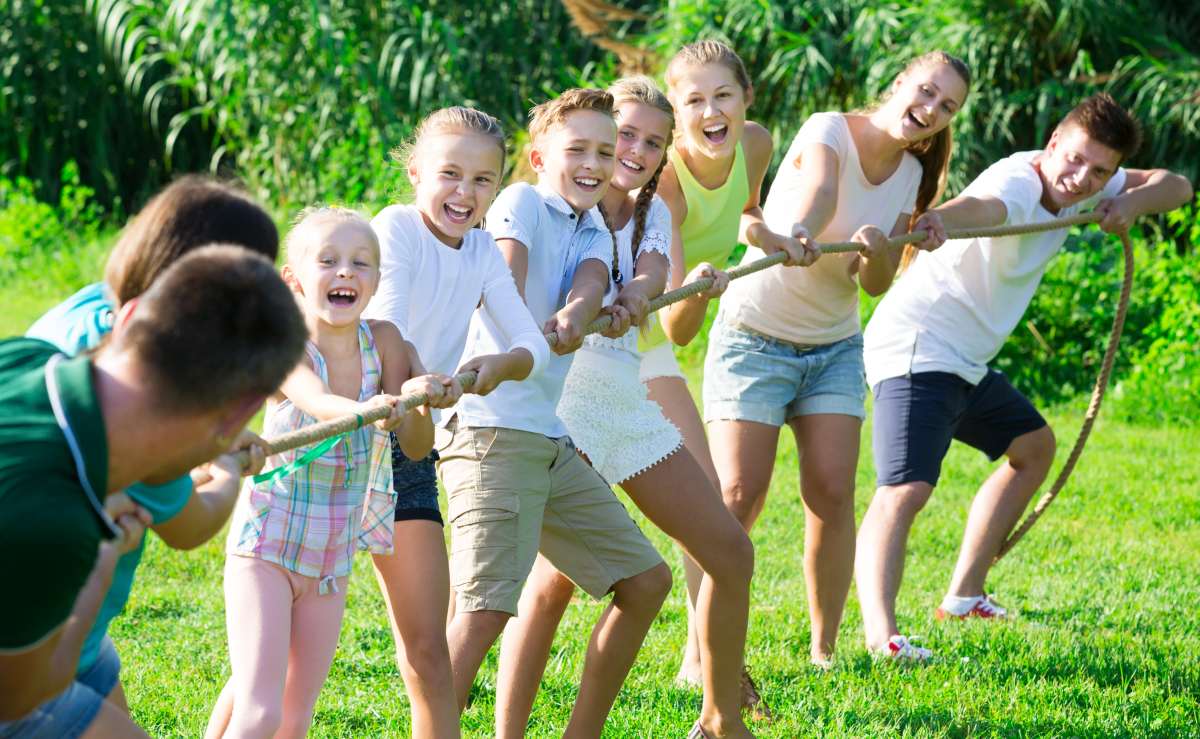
x: 982, y: 606
x: 903, y: 649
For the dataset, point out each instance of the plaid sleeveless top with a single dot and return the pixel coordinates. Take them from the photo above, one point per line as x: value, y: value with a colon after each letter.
x: 312, y: 521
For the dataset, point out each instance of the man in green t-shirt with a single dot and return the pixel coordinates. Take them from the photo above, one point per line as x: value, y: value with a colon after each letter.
x: 188, y: 364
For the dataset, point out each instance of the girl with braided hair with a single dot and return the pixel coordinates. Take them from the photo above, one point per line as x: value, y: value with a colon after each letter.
x: 629, y: 441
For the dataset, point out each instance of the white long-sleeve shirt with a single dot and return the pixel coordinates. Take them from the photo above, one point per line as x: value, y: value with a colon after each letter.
x: 430, y: 291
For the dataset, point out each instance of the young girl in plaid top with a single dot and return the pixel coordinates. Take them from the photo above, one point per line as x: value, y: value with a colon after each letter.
x: 293, y: 536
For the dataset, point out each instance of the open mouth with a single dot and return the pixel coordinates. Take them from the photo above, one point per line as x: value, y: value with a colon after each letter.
x: 631, y: 165
x: 716, y: 133
x: 588, y: 184
x: 457, y: 213
x: 916, y: 120
x: 342, y: 297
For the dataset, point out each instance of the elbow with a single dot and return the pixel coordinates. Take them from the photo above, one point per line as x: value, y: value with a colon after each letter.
x: 186, y: 541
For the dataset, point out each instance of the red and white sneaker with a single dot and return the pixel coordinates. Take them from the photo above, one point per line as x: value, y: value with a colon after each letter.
x: 902, y: 649
x: 982, y: 606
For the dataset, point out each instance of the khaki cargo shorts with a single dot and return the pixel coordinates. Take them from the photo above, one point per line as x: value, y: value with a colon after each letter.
x: 513, y: 493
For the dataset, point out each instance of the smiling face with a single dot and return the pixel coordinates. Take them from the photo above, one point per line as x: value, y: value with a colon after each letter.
x: 455, y: 176
x: 642, y: 135
x: 1074, y: 167
x: 575, y: 157
x: 710, y: 109
x: 922, y: 102
x: 333, y: 267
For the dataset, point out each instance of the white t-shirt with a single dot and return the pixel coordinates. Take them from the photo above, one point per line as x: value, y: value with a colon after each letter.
x: 818, y: 304
x: 430, y: 290
x: 953, y: 308
x: 656, y: 238
x: 558, y: 242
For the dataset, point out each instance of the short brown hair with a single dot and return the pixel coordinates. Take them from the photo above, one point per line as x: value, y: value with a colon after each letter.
x: 217, y: 326
x: 553, y: 112
x: 189, y: 213
x: 1104, y: 120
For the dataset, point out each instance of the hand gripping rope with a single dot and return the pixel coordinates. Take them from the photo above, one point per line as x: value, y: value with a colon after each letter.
x: 317, y: 432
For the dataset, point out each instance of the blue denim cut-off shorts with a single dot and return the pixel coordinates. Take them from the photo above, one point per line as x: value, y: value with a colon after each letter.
x: 415, y: 483
x: 752, y: 377
x: 69, y: 714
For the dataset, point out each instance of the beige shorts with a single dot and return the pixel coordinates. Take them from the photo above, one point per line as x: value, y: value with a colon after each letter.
x: 514, y: 493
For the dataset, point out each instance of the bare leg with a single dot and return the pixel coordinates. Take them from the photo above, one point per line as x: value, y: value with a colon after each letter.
x: 744, y: 453
x: 111, y: 722
x: 470, y: 635
x: 879, y: 567
x: 415, y: 582
x: 672, y: 395
x: 218, y: 722
x: 116, y: 696
x: 998, y: 506
x: 525, y: 648
x: 676, y: 496
x: 828, y: 446
x: 316, y: 624
x: 615, y: 642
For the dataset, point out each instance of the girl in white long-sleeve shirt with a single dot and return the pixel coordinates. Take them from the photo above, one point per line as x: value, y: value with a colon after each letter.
x: 437, y: 268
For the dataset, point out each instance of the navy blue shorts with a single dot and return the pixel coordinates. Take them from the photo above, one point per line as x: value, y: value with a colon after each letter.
x: 917, y: 415
x: 415, y: 483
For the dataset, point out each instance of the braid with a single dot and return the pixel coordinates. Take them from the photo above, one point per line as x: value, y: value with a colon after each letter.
x: 641, y: 208
x: 616, y: 269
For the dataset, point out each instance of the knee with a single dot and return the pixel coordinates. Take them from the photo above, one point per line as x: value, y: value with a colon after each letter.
x: 425, y: 659
x: 903, y: 501
x: 1033, y: 451
x: 742, y: 495
x: 830, y: 500
x: 734, y: 562
x: 553, y: 592
x: 648, y: 589
x: 255, y: 720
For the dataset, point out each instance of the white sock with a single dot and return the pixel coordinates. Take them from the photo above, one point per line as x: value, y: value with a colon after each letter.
x: 959, y: 606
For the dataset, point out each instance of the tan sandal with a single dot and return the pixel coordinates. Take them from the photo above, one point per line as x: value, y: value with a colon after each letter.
x: 698, y: 732
x: 752, y: 700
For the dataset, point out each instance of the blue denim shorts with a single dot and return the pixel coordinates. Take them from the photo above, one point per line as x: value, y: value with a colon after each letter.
x: 415, y: 482
x: 69, y: 714
x: 752, y: 377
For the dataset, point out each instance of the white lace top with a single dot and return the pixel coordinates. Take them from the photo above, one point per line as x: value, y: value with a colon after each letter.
x: 657, y: 238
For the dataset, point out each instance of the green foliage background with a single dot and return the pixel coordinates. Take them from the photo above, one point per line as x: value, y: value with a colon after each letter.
x: 105, y: 100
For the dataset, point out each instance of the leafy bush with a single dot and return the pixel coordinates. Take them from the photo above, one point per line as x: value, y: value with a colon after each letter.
x: 40, y: 242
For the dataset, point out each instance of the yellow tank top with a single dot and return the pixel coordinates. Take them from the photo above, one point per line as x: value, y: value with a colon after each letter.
x: 710, y: 229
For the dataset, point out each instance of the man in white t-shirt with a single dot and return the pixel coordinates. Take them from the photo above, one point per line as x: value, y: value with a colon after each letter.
x: 929, y: 342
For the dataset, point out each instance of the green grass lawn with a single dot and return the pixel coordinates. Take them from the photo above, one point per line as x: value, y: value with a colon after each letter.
x: 1106, y: 643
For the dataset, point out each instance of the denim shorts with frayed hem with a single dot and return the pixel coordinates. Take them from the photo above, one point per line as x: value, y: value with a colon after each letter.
x: 69, y: 714
x: 752, y: 377
x: 415, y: 483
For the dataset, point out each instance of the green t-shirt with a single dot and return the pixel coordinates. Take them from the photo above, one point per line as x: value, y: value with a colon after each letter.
x: 51, y: 524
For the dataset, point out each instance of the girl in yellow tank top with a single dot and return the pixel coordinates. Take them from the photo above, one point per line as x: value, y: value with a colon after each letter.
x: 711, y: 186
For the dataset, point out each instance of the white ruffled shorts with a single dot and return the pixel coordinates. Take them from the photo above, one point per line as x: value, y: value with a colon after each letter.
x: 610, y: 417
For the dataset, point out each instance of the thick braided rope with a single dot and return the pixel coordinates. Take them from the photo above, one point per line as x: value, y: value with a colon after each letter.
x: 317, y: 432
x: 1089, y: 418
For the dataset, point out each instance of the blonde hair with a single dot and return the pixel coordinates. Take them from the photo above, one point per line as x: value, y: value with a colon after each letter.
x: 455, y: 119
x: 293, y: 246
x: 545, y: 117
x: 642, y: 89
x: 703, y: 53
x: 933, y: 152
